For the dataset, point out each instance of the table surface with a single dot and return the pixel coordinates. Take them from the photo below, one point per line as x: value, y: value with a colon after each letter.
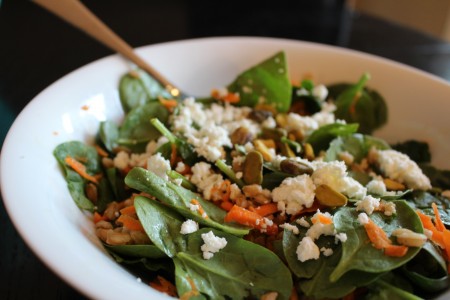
x: 37, y: 49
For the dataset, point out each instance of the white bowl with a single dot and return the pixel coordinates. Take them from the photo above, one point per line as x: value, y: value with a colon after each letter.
x: 35, y: 192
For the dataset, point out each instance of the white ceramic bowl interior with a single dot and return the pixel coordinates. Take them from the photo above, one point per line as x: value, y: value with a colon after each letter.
x: 35, y: 192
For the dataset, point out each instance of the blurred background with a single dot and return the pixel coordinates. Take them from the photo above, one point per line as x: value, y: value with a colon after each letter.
x: 36, y: 49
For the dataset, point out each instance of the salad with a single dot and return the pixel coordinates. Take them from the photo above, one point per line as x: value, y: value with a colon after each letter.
x: 266, y: 189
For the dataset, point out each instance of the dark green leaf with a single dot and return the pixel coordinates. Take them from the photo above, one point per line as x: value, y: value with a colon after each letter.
x: 137, y: 88
x: 180, y: 198
x: 161, y: 224
x: 423, y: 200
x: 438, y: 178
x: 75, y: 182
x: 265, y: 83
x: 240, y: 270
x: 320, y: 139
x: 139, y: 251
x: 417, y: 151
x: 109, y: 134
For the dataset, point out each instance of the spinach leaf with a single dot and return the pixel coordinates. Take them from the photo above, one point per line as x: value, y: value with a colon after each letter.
x: 273, y: 179
x: 117, y: 185
x: 428, y: 270
x: 321, y: 138
x: 161, y: 224
x: 137, y: 88
x: 147, y: 251
x: 417, y: 151
x: 109, y: 134
x: 75, y: 182
x: 265, y: 83
x: 240, y: 270
x: 356, y: 144
x: 314, y: 275
x: 135, y: 264
x: 357, y: 248
x: 363, y: 106
x: 136, y: 130
x: 180, y: 198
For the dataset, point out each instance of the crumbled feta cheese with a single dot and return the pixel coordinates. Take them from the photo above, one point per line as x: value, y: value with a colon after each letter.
x: 189, y: 226
x: 239, y: 175
x: 389, y: 208
x: 194, y: 207
x: 340, y: 237
x: 326, y: 251
x: 302, y: 222
x: 205, y: 179
x: 290, y: 227
x: 316, y: 217
x: 320, y: 91
x: 269, y: 123
x: 376, y: 186
x: 307, y: 250
x: 212, y: 244
x: 121, y: 160
x: 158, y: 165
x: 368, y: 204
x: 181, y: 167
x: 347, y: 157
x: 294, y: 194
x: 399, y: 167
x: 334, y: 174
x: 318, y: 229
x: 363, y: 218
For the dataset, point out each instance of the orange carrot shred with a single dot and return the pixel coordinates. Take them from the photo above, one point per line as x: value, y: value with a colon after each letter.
x: 226, y: 205
x: 129, y: 210
x: 101, y: 151
x: 439, y: 225
x: 427, y: 223
x: 321, y: 218
x: 266, y: 209
x: 80, y: 169
x: 249, y: 218
x: 376, y: 235
x: 130, y: 223
x: 169, y: 104
x: 201, y: 211
x: 446, y: 241
x: 395, y: 250
x: 98, y: 217
x: 231, y: 98
x: 192, y: 293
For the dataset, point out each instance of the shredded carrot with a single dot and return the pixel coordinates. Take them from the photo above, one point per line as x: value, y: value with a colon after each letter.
x: 249, y: 218
x: 446, y: 241
x: 226, y: 205
x: 321, y: 218
x: 169, y: 104
x: 164, y: 286
x: 395, y: 250
x: 98, y: 217
x: 130, y: 223
x: 380, y: 240
x: 129, y: 210
x: 80, y: 169
x: 376, y: 235
x: 437, y: 218
x: 266, y: 209
x: 427, y: 223
x: 101, y: 151
x: 201, y: 211
x: 232, y: 98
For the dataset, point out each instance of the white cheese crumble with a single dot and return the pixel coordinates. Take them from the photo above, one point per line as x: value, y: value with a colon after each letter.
x: 181, y: 167
x: 290, y: 227
x: 334, y: 174
x: 189, y: 226
x: 320, y: 91
x: 368, y: 204
x: 389, y: 208
x: 205, y: 179
x: 363, y: 218
x: 340, y: 237
x: 307, y: 250
x: 302, y: 222
x: 158, y: 165
x: 318, y: 229
x: 326, y: 251
x: 294, y: 194
x: 212, y: 244
x: 376, y: 186
x: 399, y: 167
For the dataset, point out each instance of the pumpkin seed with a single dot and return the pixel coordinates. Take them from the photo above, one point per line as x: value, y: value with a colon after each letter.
x: 253, y: 168
x: 308, y: 151
x: 294, y: 167
x: 330, y: 197
x: 261, y: 147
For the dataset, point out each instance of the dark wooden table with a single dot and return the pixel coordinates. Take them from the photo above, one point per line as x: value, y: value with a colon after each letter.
x: 36, y: 49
